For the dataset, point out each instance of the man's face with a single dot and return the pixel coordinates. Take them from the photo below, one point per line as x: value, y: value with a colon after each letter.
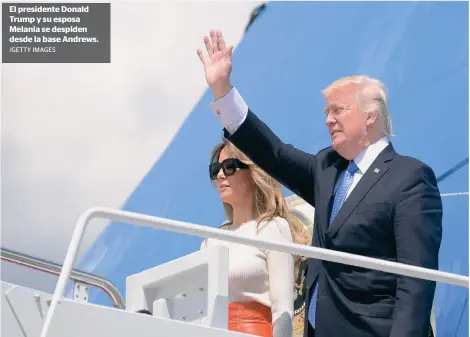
x: 346, y: 122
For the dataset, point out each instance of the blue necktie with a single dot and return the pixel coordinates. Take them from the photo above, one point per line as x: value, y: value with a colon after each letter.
x: 340, y: 197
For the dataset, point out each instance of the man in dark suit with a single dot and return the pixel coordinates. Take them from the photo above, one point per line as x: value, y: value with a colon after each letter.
x: 369, y: 200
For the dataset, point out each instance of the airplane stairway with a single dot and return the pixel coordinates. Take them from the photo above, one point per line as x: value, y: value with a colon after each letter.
x: 185, y: 297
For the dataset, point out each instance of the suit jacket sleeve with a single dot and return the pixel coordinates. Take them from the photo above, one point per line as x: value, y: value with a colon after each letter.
x: 418, y: 232
x: 291, y: 167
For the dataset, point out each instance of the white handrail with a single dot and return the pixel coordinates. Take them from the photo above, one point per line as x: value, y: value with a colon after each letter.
x: 455, y: 194
x: 55, y: 269
x: 209, y: 232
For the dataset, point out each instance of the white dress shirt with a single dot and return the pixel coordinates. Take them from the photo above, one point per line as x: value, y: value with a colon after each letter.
x: 364, y: 160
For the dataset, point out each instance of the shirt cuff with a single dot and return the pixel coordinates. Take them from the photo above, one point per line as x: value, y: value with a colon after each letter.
x: 231, y: 110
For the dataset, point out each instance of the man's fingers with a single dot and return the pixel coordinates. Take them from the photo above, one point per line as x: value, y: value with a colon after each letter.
x: 228, y: 51
x: 214, y: 43
x: 208, y: 44
x: 201, y: 56
x: 215, y: 47
x: 220, y: 41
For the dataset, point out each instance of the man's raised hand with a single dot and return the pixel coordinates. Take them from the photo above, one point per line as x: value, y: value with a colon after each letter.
x: 217, y: 63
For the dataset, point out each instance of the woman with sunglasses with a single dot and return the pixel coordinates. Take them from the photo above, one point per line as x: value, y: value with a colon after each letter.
x: 261, y: 282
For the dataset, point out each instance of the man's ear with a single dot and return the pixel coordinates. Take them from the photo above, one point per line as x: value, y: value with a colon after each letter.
x: 372, y: 116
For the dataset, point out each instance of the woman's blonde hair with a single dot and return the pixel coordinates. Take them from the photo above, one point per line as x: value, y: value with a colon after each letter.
x: 268, y: 200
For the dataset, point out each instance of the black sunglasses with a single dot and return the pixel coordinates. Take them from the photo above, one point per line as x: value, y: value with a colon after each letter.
x: 229, y: 166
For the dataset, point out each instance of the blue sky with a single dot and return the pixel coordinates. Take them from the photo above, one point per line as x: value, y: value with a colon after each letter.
x: 292, y: 51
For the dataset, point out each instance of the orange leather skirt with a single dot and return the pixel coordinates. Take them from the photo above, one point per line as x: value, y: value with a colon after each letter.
x: 250, y: 317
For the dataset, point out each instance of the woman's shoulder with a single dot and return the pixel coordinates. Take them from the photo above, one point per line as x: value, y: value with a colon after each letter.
x: 279, y: 221
x: 277, y: 227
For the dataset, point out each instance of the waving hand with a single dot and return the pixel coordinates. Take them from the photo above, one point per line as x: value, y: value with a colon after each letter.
x: 217, y: 63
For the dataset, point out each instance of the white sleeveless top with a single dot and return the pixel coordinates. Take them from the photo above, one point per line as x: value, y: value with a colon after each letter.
x: 261, y: 275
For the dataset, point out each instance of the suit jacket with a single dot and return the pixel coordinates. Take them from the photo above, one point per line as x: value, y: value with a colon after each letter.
x: 394, y: 213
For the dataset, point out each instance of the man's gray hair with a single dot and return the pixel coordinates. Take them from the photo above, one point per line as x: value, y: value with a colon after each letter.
x: 371, y: 94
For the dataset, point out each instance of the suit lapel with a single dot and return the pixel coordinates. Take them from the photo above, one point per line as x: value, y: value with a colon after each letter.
x: 329, y: 179
x: 378, y: 168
